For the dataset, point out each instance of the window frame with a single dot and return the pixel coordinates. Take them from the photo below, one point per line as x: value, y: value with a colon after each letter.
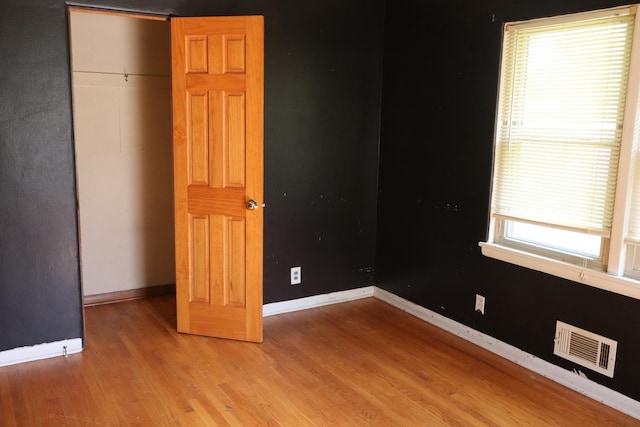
x: 614, y: 271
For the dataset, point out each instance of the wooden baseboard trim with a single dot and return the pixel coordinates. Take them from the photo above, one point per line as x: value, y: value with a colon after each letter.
x: 306, y: 303
x: 131, y: 294
x: 40, y: 351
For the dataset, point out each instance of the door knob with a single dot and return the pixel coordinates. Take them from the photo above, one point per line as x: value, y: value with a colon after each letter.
x: 252, y: 205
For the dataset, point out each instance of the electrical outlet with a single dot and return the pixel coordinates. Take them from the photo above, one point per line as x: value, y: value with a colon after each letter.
x: 480, y: 304
x: 296, y: 275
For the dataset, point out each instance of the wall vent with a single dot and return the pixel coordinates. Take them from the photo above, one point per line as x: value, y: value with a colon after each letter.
x: 585, y: 348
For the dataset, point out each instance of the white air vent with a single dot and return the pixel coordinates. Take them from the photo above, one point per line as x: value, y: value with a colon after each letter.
x: 585, y: 348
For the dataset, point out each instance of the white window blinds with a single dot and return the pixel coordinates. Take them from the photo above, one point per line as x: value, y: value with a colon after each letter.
x: 560, y: 117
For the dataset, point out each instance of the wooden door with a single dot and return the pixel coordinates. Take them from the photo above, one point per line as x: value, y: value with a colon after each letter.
x: 218, y: 82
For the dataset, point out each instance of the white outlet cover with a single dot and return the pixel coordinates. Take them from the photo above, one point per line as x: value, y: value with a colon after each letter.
x: 296, y: 275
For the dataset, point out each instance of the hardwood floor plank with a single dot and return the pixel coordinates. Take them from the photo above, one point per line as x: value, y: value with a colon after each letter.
x: 23, y: 385
x: 7, y: 405
x: 203, y: 414
x: 361, y: 363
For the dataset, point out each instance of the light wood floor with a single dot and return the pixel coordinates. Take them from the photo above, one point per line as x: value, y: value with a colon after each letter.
x: 354, y: 364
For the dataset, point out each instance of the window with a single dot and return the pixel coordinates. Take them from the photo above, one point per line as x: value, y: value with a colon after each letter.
x: 566, y: 189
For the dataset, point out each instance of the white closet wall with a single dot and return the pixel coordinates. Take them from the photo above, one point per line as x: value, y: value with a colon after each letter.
x: 122, y: 118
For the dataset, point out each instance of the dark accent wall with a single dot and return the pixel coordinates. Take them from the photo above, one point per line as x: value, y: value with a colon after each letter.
x: 323, y: 67
x: 39, y: 282
x: 439, y: 97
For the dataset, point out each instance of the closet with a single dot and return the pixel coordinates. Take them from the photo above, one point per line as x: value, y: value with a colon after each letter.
x: 123, y: 141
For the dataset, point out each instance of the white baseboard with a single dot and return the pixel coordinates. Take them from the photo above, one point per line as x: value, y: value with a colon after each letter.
x: 555, y: 373
x: 316, y: 301
x: 41, y: 351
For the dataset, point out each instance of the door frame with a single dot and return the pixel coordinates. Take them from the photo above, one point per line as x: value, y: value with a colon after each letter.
x: 134, y: 14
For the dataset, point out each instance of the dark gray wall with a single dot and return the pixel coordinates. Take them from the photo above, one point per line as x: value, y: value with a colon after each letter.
x: 39, y: 285
x: 322, y: 106
x: 439, y: 98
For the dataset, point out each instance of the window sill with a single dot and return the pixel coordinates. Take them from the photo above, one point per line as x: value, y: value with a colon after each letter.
x: 601, y: 280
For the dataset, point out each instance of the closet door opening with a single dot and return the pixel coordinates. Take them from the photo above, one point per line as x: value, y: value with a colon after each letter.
x: 121, y: 67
